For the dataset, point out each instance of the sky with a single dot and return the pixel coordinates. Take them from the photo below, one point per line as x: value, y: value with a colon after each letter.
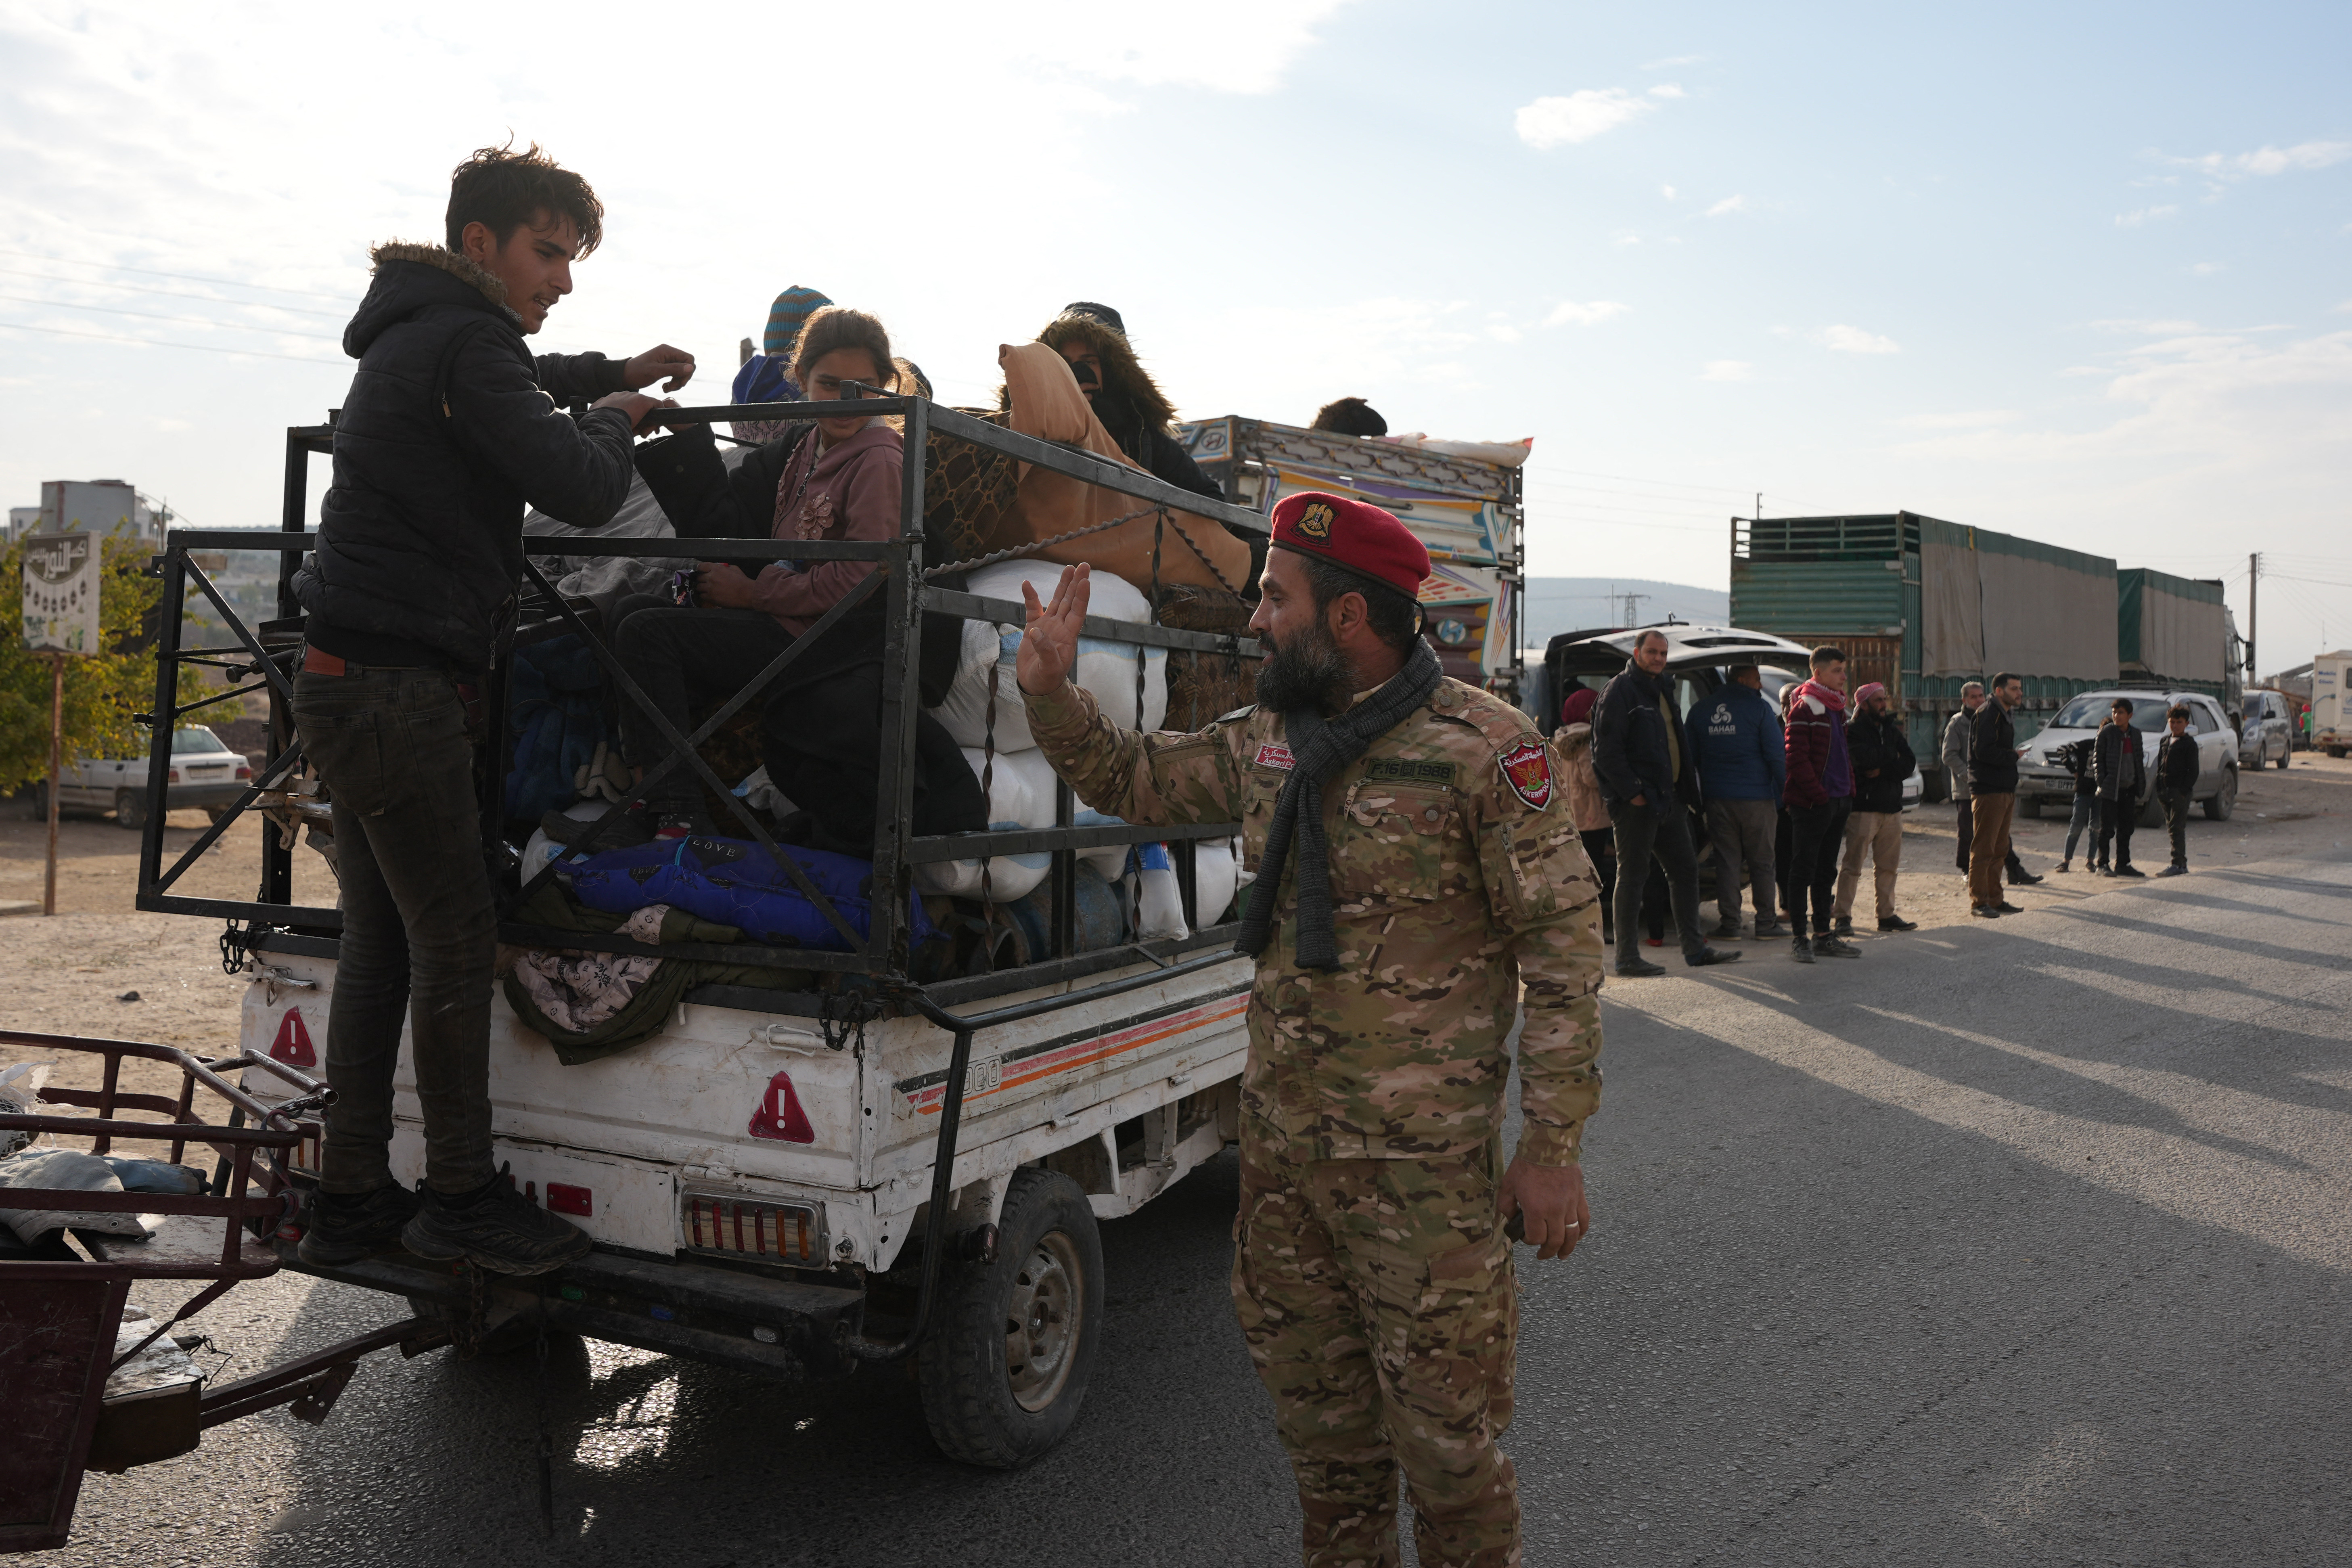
x: 2074, y: 272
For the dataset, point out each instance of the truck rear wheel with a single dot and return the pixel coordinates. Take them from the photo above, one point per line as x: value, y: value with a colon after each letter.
x: 1005, y: 1371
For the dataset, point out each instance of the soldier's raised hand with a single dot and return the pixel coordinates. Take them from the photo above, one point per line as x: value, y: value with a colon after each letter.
x: 1049, y: 648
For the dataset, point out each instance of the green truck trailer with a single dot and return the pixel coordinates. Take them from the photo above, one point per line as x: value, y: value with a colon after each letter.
x: 1923, y: 606
x: 2176, y: 632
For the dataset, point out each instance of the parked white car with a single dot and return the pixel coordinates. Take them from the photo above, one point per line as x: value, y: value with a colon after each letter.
x: 204, y: 773
x: 2041, y: 780
x: 2266, y: 734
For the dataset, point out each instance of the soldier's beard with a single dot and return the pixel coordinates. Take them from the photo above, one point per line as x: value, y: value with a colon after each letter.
x: 1304, y: 670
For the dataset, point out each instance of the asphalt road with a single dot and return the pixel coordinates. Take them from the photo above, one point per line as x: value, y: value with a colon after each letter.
x: 2008, y: 1243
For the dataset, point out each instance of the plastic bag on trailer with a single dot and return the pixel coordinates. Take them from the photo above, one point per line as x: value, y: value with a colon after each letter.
x: 1162, y: 902
x: 735, y: 882
x: 1106, y: 669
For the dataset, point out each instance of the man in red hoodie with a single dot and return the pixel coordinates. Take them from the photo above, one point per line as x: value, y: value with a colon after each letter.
x: 1819, y: 795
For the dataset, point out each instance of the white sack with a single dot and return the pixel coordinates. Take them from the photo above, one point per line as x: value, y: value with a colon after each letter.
x: 1106, y: 669
x: 1020, y: 795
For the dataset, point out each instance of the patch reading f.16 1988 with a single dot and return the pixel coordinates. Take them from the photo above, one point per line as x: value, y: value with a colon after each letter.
x: 1408, y: 770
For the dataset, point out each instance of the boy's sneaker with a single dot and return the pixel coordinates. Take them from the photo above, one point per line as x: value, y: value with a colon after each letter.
x: 1834, y: 947
x: 2065, y: 867
x: 1769, y: 931
x: 1843, y: 925
x: 1896, y: 922
x: 499, y: 1231
x: 2127, y: 871
x: 2174, y: 871
x: 1727, y: 930
x: 1801, y: 951
x: 347, y: 1226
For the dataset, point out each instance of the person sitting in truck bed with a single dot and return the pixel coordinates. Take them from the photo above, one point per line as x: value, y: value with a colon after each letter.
x: 821, y: 729
x: 1129, y: 403
x: 1350, y: 416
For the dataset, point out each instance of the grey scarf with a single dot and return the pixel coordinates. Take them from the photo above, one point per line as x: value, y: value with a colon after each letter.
x: 1319, y: 748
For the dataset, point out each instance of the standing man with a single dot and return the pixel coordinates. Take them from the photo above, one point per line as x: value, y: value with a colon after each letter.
x: 2119, y: 778
x: 1957, y: 735
x: 1820, y: 797
x: 1881, y: 755
x: 1734, y: 738
x: 1993, y: 792
x: 1414, y: 870
x: 1651, y: 789
x: 2176, y: 783
x: 449, y: 430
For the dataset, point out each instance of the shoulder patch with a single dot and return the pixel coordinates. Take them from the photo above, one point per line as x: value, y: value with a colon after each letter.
x: 1407, y: 770
x: 1527, y: 768
x: 1273, y: 754
x: 1236, y: 715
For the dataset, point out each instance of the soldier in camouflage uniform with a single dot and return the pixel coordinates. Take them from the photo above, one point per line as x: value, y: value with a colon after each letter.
x: 1372, y: 1276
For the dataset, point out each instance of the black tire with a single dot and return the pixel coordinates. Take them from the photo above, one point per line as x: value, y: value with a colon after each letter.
x: 983, y: 1407
x: 2282, y: 757
x: 2223, y: 801
x: 129, y: 809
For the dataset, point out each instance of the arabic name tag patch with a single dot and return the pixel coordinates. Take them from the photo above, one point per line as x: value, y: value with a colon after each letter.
x: 1270, y: 755
x: 1527, y: 768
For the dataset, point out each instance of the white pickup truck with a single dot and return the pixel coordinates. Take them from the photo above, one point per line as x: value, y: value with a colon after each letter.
x: 204, y: 773
x: 796, y: 1183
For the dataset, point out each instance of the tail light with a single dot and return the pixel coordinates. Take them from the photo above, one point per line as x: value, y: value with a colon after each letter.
x: 172, y: 775
x: 741, y: 1228
x: 244, y: 772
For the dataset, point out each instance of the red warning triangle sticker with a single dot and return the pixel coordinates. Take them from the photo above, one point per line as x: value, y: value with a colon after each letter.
x: 780, y: 1115
x: 292, y: 1045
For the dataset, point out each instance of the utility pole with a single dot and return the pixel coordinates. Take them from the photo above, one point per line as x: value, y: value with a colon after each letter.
x: 2254, y: 607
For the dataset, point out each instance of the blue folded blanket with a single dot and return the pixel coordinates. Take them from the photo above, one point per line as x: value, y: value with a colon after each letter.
x: 733, y: 881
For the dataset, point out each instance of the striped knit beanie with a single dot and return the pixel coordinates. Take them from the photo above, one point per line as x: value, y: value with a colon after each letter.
x: 791, y: 310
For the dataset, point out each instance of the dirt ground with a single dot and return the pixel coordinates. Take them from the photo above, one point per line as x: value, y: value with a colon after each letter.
x: 73, y: 970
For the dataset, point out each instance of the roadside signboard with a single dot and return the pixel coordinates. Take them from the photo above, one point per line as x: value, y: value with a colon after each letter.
x: 61, y: 593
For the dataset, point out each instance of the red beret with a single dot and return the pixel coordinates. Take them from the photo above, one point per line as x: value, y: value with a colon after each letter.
x: 1356, y: 535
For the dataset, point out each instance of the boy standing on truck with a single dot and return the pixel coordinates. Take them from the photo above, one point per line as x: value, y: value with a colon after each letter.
x: 449, y: 429
x: 1413, y: 868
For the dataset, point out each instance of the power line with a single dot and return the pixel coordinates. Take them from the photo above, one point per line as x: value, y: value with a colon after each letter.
x: 142, y: 344
x: 171, y: 293
x: 182, y: 277
x: 176, y: 321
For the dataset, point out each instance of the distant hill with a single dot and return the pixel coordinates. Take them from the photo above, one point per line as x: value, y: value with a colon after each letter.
x: 1557, y: 604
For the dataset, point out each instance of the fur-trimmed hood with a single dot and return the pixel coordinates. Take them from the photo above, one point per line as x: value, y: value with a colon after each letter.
x: 1129, y: 387
x: 411, y: 280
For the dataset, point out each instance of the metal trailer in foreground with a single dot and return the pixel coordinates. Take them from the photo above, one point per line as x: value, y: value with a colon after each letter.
x: 1924, y: 607
x: 794, y: 1182
x: 89, y: 1381
x: 1469, y: 514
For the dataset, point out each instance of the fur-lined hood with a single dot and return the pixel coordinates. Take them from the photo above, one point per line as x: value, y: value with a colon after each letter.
x: 1123, y: 374
x: 435, y: 279
x: 458, y: 267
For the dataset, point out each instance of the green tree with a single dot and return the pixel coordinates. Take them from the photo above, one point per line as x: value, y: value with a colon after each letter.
x: 103, y: 690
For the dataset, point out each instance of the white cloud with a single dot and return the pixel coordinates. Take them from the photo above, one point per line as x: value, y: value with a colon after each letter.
x: 1727, y: 205
x: 1567, y: 313
x: 1549, y: 123
x: 1972, y: 419
x: 2343, y: 310
x: 2145, y: 215
x: 2206, y: 269
x: 1625, y: 237
x: 2268, y: 160
x: 2143, y: 326
x: 1728, y: 370
x: 1667, y: 192
x: 1668, y: 89
x: 1855, y: 340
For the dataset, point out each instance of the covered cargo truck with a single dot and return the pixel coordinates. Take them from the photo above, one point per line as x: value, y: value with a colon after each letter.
x: 2174, y: 631
x: 2331, y: 724
x: 1923, y: 606
x: 1467, y: 512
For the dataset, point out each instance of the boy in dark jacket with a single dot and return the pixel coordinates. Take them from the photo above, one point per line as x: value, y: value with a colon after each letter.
x: 449, y: 429
x: 2176, y: 783
x: 2075, y: 758
x: 1881, y: 755
x: 2119, y: 778
x: 1734, y: 738
x: 1650, y: 788
x: 1820, y: 793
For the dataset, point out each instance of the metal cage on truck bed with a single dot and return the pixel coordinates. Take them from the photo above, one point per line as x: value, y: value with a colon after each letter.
x: 754, y: 1277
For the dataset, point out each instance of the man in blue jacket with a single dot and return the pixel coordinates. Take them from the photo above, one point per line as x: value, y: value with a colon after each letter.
x: 449, y: 429
x: 1735, y: 738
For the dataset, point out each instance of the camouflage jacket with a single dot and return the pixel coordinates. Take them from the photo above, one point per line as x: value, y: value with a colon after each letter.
x: 1457, y: 874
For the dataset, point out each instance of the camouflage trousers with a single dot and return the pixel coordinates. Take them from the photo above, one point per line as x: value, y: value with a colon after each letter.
x: 1381, y: 1310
